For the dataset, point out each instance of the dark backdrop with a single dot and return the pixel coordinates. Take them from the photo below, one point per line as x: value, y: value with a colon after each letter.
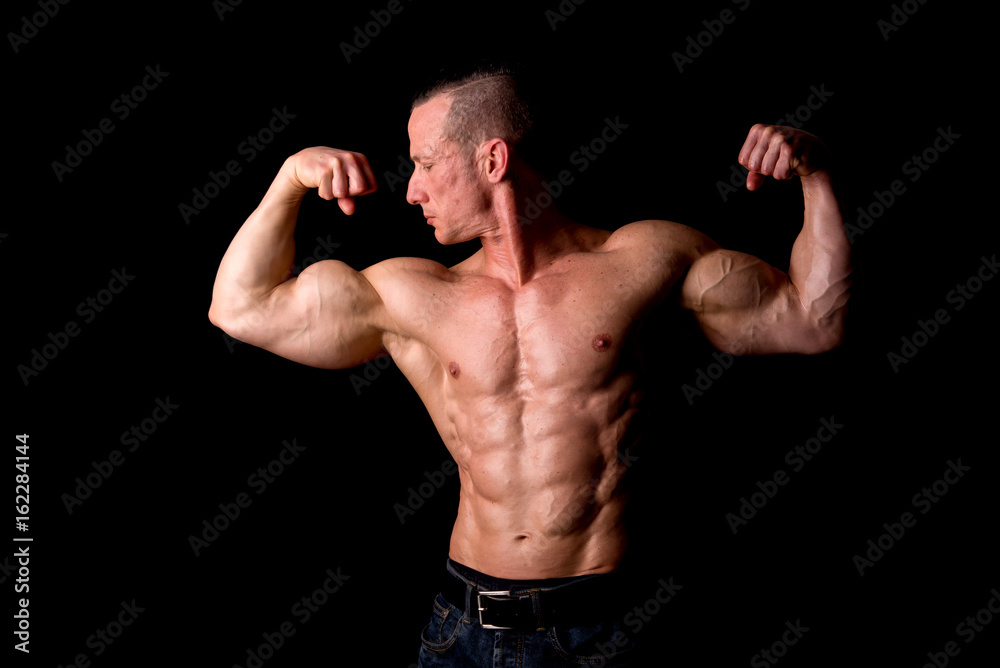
x: 138, y: 218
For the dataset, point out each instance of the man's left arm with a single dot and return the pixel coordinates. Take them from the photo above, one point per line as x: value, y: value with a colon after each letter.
x: 744, y: 305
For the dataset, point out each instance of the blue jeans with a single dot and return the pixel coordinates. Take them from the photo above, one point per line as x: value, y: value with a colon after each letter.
x: 454, y: 636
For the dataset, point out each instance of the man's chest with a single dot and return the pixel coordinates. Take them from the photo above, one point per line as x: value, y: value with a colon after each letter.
x: 569, y: 327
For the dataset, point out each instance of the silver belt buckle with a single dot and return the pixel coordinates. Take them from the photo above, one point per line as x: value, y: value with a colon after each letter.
x: 479, y: 604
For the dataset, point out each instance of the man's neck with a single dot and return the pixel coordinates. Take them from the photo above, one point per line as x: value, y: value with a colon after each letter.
x: 519, y: 247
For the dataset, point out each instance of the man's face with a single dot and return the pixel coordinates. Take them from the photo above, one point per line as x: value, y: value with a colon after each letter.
x: 444, y: 183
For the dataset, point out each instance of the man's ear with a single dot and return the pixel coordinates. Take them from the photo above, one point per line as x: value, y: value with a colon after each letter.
x: 496, y: 156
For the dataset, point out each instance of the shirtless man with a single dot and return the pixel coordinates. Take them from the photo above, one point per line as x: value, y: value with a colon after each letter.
x: 525, y: 354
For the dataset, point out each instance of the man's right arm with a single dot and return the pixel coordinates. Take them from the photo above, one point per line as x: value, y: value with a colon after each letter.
x: 330, y: 315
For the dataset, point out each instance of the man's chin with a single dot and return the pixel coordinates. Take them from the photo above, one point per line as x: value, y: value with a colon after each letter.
x: 446, y: 239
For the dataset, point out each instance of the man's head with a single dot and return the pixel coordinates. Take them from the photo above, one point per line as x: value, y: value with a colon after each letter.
x: 464, y: 139
x: 486, y: 104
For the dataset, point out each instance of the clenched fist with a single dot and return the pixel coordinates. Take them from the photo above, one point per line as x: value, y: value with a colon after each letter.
x: 335, y: 173
x: 781, y: 152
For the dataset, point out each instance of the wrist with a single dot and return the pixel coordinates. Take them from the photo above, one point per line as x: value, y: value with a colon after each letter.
x: 818, y: 184
x: 286, y: 190
x: 290, y: 176
x: 821, y: 177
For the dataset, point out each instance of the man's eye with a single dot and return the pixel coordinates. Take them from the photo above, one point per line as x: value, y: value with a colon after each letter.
x: 426, y: 168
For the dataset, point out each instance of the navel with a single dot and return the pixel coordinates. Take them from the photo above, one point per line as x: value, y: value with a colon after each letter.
x: 602, y: 343
x: 454, y: 370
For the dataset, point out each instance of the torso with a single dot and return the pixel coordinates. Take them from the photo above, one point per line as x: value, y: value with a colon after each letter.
x: 535, y: 391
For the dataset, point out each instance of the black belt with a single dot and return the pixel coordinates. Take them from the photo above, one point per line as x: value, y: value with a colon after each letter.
x: 587, y: 600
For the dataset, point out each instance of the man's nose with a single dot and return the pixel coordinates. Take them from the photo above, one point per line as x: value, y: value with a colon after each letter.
x: 414, y: 193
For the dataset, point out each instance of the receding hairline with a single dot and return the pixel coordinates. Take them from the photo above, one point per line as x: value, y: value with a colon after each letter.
x: 487, y: 103
x: 423, y: 101
x: 429, y: 96
x: 428, y: 152
x: 451, y: 87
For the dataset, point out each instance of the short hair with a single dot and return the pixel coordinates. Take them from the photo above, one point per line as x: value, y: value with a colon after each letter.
x: 487, y: 102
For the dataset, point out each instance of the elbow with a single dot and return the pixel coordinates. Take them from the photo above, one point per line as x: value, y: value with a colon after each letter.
x: 827, y: 324
x: 222, y: 318
x: 217, y: 306
x: 241, y: 321
x: 827, y: 334
x: 215, y: 315
x: 225, y: 311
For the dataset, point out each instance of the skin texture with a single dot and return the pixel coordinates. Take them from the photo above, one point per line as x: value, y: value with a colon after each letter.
x: 526, y: 353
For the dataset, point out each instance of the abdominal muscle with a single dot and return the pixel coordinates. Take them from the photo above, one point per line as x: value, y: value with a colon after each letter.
x: 541, y: 494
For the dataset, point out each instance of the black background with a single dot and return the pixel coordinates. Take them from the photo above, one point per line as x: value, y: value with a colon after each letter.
x: 367, y: 445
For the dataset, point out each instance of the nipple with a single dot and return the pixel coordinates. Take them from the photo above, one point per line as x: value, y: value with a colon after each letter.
x: 454, y: 370
x: 602, y: 343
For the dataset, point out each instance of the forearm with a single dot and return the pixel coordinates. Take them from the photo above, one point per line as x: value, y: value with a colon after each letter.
x: 820, y: 265
x: 262, y: 253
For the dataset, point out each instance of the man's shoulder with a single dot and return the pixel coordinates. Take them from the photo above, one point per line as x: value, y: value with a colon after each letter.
x: 402, y: 275
x: 405, y: 268
x: 660, y: 237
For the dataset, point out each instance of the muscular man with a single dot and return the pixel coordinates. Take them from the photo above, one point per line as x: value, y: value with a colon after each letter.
x: 526, y: 354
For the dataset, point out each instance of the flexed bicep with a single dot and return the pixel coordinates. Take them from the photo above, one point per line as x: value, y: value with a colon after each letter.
x: 745, y: 306
x: 330, y: 316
